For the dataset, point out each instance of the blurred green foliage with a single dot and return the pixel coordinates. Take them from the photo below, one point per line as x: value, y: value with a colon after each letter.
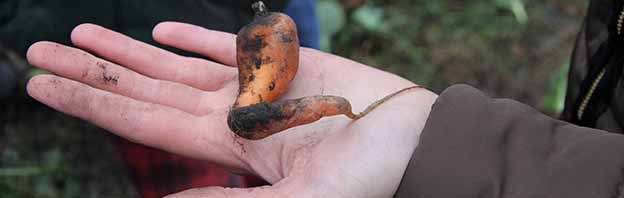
x: 516, y: 7
x: 332, y: 17
x: 554, y: 100
x: 509, y: 48
x: 397, y: 34
x: 44, y: 153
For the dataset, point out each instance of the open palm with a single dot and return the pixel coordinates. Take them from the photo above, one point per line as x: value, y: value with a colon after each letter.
x: 179, y: 104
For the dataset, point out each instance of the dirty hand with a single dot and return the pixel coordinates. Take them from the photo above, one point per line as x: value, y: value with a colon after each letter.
x: 180, y: 104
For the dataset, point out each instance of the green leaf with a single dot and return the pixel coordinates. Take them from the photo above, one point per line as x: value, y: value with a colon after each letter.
x: 22, y: 171
x: 54, y: 157
x: 369, y: 17
x: 554, y: 100
x: 516, y: 7
x: 331, y: 20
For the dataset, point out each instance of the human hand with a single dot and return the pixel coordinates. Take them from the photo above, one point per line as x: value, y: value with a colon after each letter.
x: 180, y: 104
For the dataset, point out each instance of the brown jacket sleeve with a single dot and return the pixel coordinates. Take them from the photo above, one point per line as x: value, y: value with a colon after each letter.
x: 473, y: 146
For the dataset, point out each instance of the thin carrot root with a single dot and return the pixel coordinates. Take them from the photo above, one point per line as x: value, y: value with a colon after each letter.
x: 376, y: 104
x: 264, y: 119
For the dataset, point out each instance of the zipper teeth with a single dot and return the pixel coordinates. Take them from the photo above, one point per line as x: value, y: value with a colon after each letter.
x: 620, y: 22
x: 592, y: 89
x: 581, y: 110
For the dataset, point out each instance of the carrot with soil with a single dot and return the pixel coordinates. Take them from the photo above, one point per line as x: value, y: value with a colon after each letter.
x: 267, y: 52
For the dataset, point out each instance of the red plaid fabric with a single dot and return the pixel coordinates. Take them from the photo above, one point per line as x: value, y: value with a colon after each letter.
x: 157, y: 173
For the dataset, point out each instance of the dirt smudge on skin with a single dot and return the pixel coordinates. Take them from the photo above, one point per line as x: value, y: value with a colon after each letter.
x: 107, y: 76
x: 237, y: 141
x: 111, y: 79
x: 85, y: 73
x: 101, y: 65
x: 54, y: 81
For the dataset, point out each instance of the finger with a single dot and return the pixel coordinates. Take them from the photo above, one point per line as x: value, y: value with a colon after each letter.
x: 217, y: 45
x: 146, y: 123
x: 149, y: 60
x: 81, y: 66
x: 217, y: 192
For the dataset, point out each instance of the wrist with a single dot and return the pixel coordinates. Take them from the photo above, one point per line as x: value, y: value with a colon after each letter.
x: 419, y: 107
x: 400, y: 124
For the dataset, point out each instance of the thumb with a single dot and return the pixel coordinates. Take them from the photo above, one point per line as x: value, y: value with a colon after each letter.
x: 260, y: 192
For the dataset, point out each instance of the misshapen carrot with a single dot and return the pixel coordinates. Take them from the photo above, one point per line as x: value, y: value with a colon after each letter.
x: 268, y: 59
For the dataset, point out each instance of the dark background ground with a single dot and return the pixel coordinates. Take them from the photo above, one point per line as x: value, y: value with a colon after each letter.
x: 488, y: 44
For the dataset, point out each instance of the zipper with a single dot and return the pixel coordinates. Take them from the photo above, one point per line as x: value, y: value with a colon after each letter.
x: 588, y: 96
x: 620, y: 22
x: 583, y: 106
